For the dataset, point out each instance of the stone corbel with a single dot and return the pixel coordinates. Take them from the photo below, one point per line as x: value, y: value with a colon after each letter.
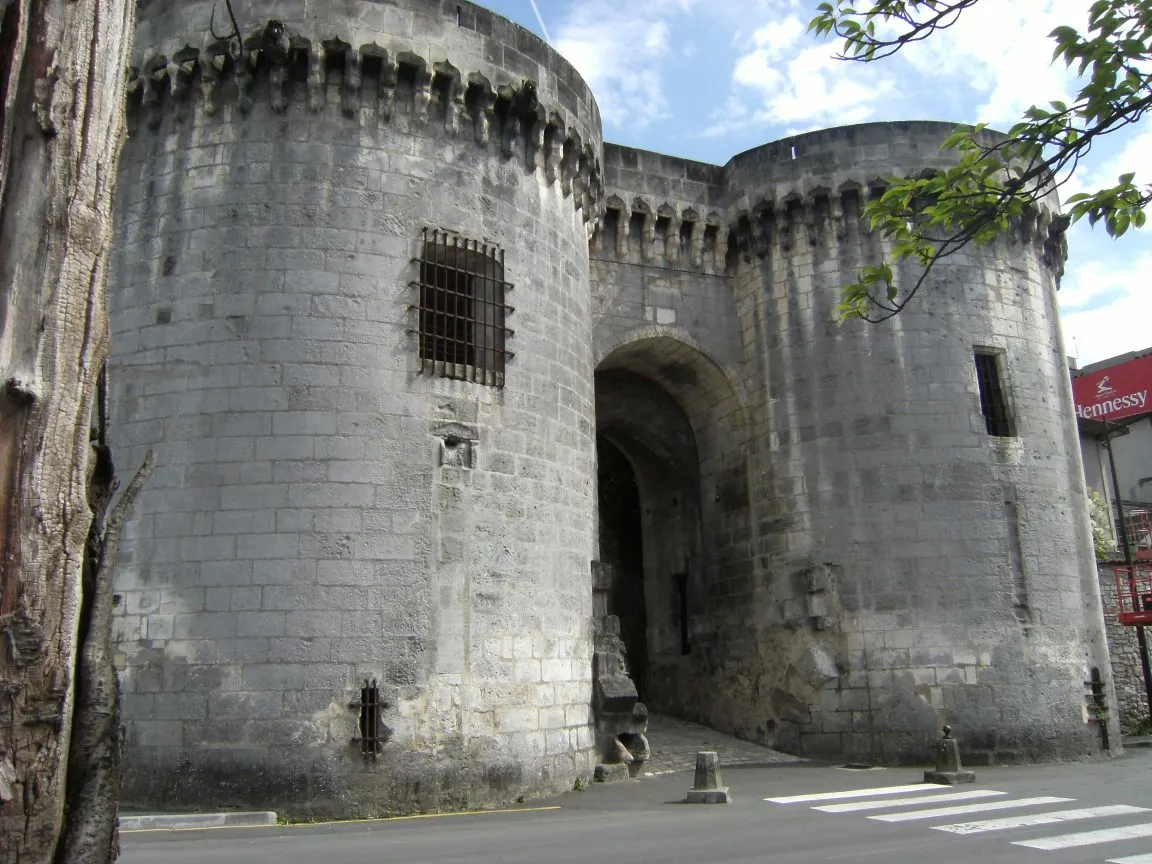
x: 811, y: 224
x: 510, y: 129
x: 212, y: 64
x: 132, y: 83
x: 482, y: 103
x: 1056, y: 241
x: 181, y: 72
x: 593, y: 189
x: 277, y: 50
x: 155, y: 81
x: 672, y: 240
x: 836, y: 214
x: 714, y: 226
x: 784, y: 231
x: 386, y: 93
x: 422, y: 96
x: 595, y: 237
x: 317, y: 80
x: 720, y: 256
x: 570, y: 162
x: 623, y: 228
x: 581, y: 180
x: 553, y: 148
x: 350, y: 82
x: 646, y: 247
x: 454, y: 94
x: 538, y: 119
x: 697, y: 245
x: 246, y: 71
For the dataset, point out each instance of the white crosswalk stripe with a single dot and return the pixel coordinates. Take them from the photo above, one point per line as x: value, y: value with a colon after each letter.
x: 921, y: 802
x: 940, y: 812
x: 885, y: 803
x: 1031, y: 819
x: 1088, y: 838
x: 857, y: 793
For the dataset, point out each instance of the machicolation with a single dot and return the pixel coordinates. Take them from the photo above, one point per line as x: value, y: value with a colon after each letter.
x: 520, y: 431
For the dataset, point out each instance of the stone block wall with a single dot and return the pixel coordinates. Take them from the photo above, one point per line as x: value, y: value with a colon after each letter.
x: 848, y: 595
x: 325, y: 510
x: 1124, y: 652
x: 960, y: 565
x: 862, y: 561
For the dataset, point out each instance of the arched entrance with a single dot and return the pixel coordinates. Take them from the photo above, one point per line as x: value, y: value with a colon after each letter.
x: 670, y: 472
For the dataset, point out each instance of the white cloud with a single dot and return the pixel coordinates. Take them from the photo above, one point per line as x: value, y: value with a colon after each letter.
x: 1130, y: 154
x: 621, y: 49
x: 997, y: 57
x: 1107, y: 307
x: 782, y: 78
x: 1001, y: 50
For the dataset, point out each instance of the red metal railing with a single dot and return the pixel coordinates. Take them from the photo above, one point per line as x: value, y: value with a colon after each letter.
x: 1133, y: 593
x: 1138, y: 521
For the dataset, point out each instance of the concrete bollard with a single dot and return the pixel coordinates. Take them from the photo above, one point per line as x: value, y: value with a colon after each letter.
x: 706, y: 788
x: 946, y: 754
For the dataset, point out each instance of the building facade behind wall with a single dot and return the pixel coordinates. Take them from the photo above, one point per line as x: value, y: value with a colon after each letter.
x: 1115, y: 421
x: 382, y: 291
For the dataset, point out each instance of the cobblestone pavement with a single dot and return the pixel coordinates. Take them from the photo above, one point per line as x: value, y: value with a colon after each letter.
x: 675, y: 743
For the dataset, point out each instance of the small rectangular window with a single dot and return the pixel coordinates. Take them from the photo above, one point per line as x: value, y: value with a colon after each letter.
x: 462, y: 309
x: 993, y: 404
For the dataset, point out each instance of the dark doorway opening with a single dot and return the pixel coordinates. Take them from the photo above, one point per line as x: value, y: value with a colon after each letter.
x: 622, y: 545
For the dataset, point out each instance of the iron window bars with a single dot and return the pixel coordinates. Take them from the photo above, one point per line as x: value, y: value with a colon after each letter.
x: 462, y: 310
x: 993, y: 404
x: 368, y: 724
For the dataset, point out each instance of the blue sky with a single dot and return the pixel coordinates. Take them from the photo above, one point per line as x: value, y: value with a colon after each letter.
x: 707, y: 79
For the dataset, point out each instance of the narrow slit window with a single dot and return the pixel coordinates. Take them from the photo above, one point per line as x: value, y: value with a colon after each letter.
x: 462, y: 309
x: 993, y: 404
x: 682, y: 609
x: 369, y: 722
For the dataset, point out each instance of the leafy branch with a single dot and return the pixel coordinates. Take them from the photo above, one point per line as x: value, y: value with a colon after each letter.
x: 997, y: 178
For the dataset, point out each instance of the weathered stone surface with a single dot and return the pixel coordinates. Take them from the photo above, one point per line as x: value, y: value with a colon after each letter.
x: 946, y: 755
x: 706, y: 788
x: 837, y: 556
x: 707, y: 771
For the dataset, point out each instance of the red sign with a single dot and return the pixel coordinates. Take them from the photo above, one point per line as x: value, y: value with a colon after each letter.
x: 1114, y: 393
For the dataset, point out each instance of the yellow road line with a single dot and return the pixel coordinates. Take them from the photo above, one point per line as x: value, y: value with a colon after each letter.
x: 345, y: 821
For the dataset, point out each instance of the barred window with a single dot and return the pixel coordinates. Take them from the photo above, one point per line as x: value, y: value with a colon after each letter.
x: 462, y: 309
x: 993, y: 403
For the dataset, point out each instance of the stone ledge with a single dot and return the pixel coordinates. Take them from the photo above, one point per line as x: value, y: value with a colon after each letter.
x: 175, y: 821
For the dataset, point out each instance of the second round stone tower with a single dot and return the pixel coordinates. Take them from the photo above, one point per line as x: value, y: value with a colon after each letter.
x: 352, y: 318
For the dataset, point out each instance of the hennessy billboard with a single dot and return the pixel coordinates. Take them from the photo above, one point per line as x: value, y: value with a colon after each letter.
x: 1116, y: 392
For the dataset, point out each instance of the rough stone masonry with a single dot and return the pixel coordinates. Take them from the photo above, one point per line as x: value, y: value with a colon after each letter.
x: 382, y: 294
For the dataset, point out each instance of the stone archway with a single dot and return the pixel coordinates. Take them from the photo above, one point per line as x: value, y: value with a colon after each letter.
x: 673, y: 415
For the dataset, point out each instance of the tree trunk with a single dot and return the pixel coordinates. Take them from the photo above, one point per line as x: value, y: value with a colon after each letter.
x: 62, y: 72
x: 94, y: 770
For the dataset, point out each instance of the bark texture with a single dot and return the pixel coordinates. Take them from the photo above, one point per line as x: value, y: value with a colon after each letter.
x: 94, y: 769
x: 62, y: 65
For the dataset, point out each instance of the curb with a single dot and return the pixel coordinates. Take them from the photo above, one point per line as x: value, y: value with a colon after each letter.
x: 175, y: 821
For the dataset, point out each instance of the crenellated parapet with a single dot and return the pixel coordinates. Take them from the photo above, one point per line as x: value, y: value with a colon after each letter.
x: 811, y: 189
x: 676, y: 235
x: 823, y: 215
x: 539, y: 114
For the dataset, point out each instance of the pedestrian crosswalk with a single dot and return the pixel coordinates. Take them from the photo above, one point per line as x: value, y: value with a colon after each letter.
x: 921, y: 804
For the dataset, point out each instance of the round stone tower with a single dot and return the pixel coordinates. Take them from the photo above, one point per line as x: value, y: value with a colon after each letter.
x: 351, y: 318
x: 924, y: 474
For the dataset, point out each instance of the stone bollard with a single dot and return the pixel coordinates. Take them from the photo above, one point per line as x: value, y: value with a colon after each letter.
x: 946, y: 754
x: 707, y: 789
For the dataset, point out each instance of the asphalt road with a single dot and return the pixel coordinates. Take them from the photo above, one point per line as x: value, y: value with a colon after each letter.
x: 643, y: 820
